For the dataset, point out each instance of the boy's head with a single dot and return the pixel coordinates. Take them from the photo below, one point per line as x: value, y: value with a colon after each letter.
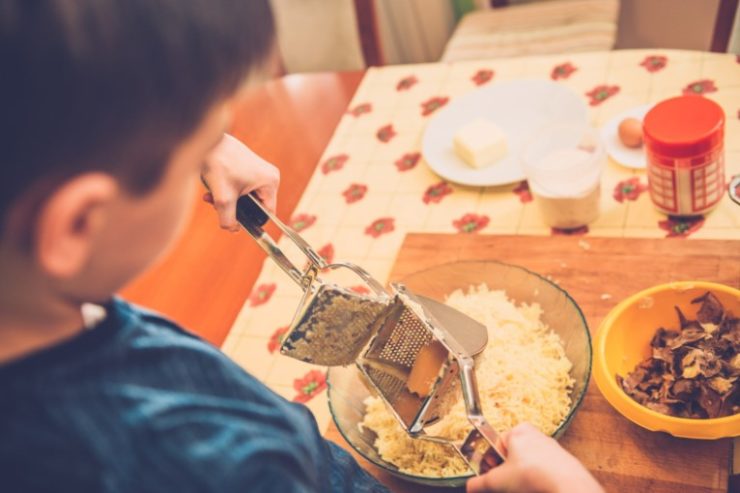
x: 107, y: 110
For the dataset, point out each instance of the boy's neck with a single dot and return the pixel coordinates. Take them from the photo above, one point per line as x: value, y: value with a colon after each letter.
x: 25, y: 330
x: 32, y: 317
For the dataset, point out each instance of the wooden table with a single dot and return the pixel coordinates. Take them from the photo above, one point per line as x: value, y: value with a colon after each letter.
x: 203, y: 282
x: 623, y: 456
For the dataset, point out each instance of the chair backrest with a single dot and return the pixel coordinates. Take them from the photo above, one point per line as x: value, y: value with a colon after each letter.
x: 723, y: 24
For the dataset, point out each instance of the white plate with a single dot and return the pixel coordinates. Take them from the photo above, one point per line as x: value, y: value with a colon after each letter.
x: 620, y: 153
x: 518, y: 107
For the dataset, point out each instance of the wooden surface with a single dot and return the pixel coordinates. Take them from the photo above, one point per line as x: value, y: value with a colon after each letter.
x: 203, y: 282
x: 623, y: 456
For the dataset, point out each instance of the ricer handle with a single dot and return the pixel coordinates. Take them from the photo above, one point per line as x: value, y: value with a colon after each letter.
x: 252, y: 215
x: 483, y: 448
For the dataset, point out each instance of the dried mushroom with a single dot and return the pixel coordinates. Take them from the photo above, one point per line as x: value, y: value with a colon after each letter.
x: 694, y: 372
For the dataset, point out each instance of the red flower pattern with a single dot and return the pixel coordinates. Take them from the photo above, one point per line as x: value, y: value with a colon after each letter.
x: 311, y: 384
x: 579, y: 231
x: 276, y: 339
x: 601, y: 93
x: 562, y: 71
x: 699, y: 87
x: 681, y: 227
x: 385, y: 133
x: 653, y: 63
x: 327, y: 253
x: 435, y: 193
x: 334, y: 163
x: 630, y: 189
x: 262, y: 294
x: 471, y: 223
x: 482, y: 76
x: 406, y: 83
x: 522, y: 190
x: 360, y: 289
x: 380, y: 227
x: 354, y: 192
x: 408, y: 161
x: 302, y: 221
x: 360, y: 109
x: 433, y: 104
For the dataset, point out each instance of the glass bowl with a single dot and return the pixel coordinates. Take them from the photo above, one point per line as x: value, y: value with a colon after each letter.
x: 347, y: 393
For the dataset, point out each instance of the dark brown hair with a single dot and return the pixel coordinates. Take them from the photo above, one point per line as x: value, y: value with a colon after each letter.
x: 115, y: 85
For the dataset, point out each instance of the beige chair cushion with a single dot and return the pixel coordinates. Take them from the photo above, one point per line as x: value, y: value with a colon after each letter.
x: 557, y: 26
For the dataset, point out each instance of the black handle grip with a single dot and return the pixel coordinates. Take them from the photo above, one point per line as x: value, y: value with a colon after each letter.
x: 250, y: 215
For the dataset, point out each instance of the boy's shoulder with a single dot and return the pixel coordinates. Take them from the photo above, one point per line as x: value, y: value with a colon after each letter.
x: 138, y: 393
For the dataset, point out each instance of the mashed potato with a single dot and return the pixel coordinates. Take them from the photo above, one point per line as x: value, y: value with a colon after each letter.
x: 523, y: 375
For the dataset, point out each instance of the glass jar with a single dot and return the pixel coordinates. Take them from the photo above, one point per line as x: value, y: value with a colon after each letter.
x: 563, y: 164
x: 684, y: 143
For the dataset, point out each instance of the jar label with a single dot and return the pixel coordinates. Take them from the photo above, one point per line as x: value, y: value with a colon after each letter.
x: 687, y: 186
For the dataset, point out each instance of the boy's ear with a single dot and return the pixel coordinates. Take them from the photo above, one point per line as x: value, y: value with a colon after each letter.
x: 69, y: 221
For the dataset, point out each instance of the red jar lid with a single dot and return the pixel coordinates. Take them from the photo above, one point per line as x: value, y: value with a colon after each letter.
x: 684, y: 126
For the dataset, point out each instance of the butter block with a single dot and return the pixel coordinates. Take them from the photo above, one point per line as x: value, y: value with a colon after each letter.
x: 480, y: 143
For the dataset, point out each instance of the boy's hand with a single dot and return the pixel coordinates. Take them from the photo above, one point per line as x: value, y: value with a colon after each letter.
x: 233, y: 170
x: 535, y: 464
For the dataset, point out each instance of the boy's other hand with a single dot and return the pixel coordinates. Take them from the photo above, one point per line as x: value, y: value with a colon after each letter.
x: 535, y: 464
x: 232, y: 170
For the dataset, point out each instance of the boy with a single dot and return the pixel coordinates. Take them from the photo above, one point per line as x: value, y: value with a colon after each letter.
x: 111, y: 109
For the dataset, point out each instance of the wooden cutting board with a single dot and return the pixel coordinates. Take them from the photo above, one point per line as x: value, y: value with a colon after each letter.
x: 622, y: 456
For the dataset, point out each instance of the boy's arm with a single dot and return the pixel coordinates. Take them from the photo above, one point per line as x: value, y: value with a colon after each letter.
x: 232, y: 170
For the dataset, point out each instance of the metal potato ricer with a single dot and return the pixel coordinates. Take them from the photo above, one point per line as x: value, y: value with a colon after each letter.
x: 413, y: 352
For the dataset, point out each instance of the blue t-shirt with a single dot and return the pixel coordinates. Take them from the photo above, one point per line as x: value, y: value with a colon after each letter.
x: 139, y: 405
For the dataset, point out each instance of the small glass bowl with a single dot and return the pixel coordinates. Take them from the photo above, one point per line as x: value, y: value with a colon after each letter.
x: 347, y: 393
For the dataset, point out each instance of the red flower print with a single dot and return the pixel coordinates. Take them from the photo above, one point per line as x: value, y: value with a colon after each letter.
x: 703, y: 86
x: 653, y: 63
x: 629, y: 189
x: 360, y: 289
x: 601, y: 93
x: 435, y: 193
x: 327, y: 253
x: 334, y: 163
x: 471, y: 223
x: 562, y: 71
x: 433, y: 104
x: 482, y: 76
x: 681, y: 226
x: 406, y: 83
x: 579, y: 231
x: 354, y: 192
x: 262, y: 294
x: 302, y: 221
x: 385, y: 133
x: 407, y: 161
x: 360, y: 109
x: 276, y: 339
x: 310, y: 385
x: 522, y: 190
x: 380, y: 227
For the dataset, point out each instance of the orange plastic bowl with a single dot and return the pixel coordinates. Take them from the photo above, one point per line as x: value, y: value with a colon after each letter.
x: 623, y: 340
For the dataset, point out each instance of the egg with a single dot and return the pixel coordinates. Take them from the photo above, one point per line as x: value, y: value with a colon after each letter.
x: 630, y: 132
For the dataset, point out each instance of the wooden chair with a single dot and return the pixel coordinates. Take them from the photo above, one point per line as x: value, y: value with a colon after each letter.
x: 554, y: 26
